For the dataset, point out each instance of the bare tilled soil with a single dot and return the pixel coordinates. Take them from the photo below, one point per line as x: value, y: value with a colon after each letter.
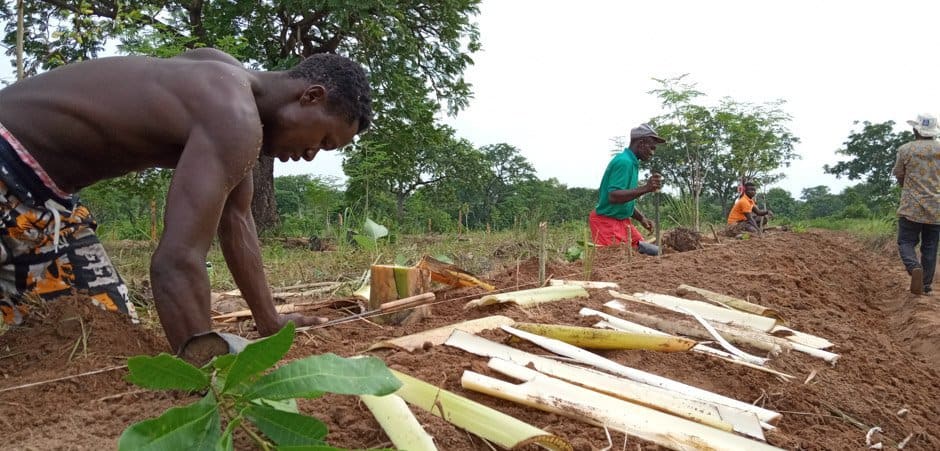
x: 823, y: 283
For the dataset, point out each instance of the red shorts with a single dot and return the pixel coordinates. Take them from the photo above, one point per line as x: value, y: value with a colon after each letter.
x: 606, y: 231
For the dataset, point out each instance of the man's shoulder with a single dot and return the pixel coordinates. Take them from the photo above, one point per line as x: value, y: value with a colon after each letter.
x: 209, y: 54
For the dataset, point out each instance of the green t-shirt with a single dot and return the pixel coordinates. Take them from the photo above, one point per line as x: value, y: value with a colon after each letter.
x: 623, y: 172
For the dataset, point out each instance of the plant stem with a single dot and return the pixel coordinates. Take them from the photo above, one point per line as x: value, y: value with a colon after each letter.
x: 232, y: 417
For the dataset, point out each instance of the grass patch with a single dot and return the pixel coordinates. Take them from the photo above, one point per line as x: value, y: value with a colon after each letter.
x: 876, y: 233
x: 477, y: 251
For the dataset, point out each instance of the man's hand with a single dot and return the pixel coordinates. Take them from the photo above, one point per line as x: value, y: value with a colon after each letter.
x: 646, y: 223
x: 654, y: 183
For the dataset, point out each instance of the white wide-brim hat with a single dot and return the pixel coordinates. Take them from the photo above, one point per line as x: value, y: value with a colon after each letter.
x: 926, y: 125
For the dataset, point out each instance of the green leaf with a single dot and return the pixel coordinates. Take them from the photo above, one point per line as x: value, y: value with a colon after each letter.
x: 259, y: 356
x: 286, y: 428
x: 374, y: 230
x: 326, y: 373
x: 287, y: 405
x: 574, y: 253
x: 223, y: 362
x: 193, y: 427
x: 165, y: 372
x: 365, y: 242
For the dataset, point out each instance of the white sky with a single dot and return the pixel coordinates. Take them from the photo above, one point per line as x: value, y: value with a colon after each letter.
x: 558, y: 79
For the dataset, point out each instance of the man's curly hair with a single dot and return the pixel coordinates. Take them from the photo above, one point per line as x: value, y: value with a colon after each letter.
x: 345, y: 81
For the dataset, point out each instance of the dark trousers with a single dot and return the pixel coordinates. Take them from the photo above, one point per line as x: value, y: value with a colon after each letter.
x: 909, y: 234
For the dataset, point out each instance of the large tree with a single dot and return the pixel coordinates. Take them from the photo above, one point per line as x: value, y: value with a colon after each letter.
x: 414, y: 51
x: 872, y: 151
x: 710, y: 149
x: 754, y: 143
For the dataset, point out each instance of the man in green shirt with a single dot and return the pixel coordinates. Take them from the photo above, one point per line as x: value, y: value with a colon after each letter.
x: 616, y: 205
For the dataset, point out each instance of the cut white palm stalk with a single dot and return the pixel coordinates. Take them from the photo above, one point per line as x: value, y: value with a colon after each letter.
x: 730, y: 302
x: 597, y: 361
x: 590, y: 284
x: 690, y: 328
x: 731, y: 358
x: 620, y: 323
x: 750, y: 337
x: 557, y: 396
x: 699, y: 348
x: 399, y: 423
x: 829, y: 357
x: 435, y: 337
x: 724, y: 343
x: 674, y: 402
x: 708, y: 311
x: 490, y: 424
x: 534, y: 296
x: 802, y: 338
x: 586, y: 337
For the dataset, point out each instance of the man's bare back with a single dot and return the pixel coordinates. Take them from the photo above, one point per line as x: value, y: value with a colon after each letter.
x: 106, y: 117
x: 206, y: 116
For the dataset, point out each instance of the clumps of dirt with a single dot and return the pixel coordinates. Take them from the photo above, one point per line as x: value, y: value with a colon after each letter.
x: 70, y: 329
x: 735, y: 230
x: 683, y: 239
x: 58, y: 346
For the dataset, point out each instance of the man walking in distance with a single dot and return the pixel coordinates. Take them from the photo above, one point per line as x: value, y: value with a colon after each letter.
x: 616, y: 204
x: 918, y: 172
x: 201, y: 113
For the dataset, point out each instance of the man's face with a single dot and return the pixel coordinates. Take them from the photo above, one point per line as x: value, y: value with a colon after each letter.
x: 751, y: 191
x: 644, y: 148
x: 306, y: 127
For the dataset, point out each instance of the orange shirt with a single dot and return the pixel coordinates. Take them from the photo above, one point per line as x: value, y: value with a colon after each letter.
x: 743, y: 205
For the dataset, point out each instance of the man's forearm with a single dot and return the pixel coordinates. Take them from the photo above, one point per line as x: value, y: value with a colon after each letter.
x: 622, y: 196
x: 180, y: 287
x: 638, y: 215
x: 242, y: 252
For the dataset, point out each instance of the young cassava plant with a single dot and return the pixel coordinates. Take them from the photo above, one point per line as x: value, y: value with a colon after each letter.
x: 240, y: 392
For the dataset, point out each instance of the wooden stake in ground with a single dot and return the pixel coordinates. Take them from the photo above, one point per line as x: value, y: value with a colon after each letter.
x: 390, y: 283
x: 543, y: 232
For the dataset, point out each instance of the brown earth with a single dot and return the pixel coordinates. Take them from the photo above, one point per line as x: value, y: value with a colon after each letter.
x: 824, y: 283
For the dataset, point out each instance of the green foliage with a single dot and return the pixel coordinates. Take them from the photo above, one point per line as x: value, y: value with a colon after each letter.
x: 241, y: 393
x: 872, y: 153
x: 709, y: 149
x: 195, y: 426
x: 165, y: 372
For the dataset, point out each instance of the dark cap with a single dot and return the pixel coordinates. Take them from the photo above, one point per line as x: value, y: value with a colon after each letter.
x: 645, y: 131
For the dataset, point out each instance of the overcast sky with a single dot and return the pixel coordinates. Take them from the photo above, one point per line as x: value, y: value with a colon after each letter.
x: 558, y: 79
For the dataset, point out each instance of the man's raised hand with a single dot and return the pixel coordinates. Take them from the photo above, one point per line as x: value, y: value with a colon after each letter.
x: 654, y: 183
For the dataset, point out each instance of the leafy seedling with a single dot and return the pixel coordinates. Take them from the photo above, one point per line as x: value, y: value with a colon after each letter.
x: 242, y: 391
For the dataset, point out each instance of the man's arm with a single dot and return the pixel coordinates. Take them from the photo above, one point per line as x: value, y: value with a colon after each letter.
x: 239, y: 241
x: 622, y: 196
x: 639, y: 217
x: 201, y: 182
x: 222, y: 144
x: 900, y: 171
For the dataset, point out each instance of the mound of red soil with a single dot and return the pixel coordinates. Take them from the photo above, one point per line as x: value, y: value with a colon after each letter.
x: 823, y: 283
x: 683, y: 239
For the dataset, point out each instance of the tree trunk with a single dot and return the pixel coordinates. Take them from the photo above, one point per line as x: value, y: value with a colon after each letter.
x: 400, y: 207
x: 263, y: 202
x: 19, y: 40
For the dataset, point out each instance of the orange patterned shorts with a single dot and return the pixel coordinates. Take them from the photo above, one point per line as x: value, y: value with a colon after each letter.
x: 48, y: 250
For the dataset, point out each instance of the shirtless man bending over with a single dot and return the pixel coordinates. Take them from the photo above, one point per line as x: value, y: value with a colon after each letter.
x: 201, y: 113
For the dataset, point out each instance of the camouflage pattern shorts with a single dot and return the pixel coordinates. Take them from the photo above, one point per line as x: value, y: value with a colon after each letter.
x: 48, y: 249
